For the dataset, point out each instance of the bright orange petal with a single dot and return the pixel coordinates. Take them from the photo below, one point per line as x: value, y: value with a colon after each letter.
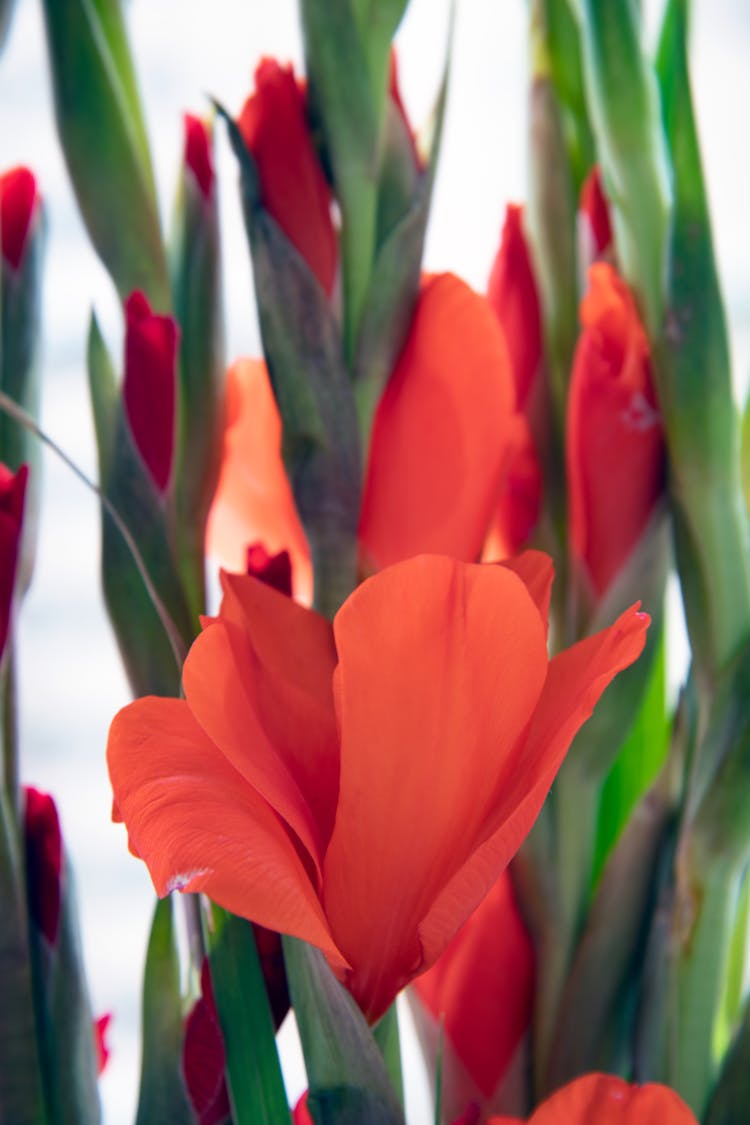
x: 440, y: 668
x: 607, y: 1100
x: 253, y: 500
x: 439, y: 436
x: 199, y: 826
x: 259, y: 682
x: 575, y: 681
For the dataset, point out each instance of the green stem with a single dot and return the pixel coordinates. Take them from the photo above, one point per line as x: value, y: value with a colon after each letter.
x: 358, y: 238
x: 10, y: 728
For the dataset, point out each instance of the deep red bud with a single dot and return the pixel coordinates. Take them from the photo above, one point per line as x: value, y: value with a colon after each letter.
x: 149, y: 387
x: 301, y: 1114
x: 198, y: 153
x: 12, y: 493
x: 43, y: 862
x: 101, y: 1030
x: 595, y: 211
x: 204, y: 1057
x: 18, y: 197
x: 395, y: 93
x: 274, y: 570
x: 512, y: 292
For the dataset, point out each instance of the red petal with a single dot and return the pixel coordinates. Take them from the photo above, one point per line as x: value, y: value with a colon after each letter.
x: 101, y: 1029
x: 273, y: 570
x: 150, y: 385
x: 294, y: 190
x: 12, y: 495
x: 439, y: 437
x: 607, y: 1100
x: 440, y: 668
x: 595, y: 212
x: 615, y: 440
x: 253, y: 500
x: 512, y: 292
x: 204, y: 1057
x: 199, y: 826
x: 301, y: 1114
x: 483, y: 986
x: 198, y: 153
x: 43, y: 862
x: 18, y: 197
x: 520, y: 504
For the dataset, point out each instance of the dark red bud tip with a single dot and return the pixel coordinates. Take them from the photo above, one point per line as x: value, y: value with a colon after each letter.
x: 101, y: 1046
x: 149, y: 388
x: 273, y: 570
x: 43, y: 862
x: 198, y: 153
x: 12, y: 493
x: 595, y: 208
x: 204, y: 1058
x: 18, y: 196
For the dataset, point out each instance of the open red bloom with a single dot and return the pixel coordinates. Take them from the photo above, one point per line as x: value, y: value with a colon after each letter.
x: 482, y: 987
x: 439, y: 446
x: 361, y: 785
x: 198, y: 153
x: 294, y: 190
x: 150, y: 385
x: 18, y: 201
x: 12, y: 494
x: 603, y: 1099
x: 43, y: 861
x: 615, y: 441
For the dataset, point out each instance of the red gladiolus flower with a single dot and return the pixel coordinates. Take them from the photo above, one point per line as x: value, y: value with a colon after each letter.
x: 615, y: 440
x: 43, y: 862
x: 101, y: 1029
x: 438, y: 450
x: 361, y: 785
x: 594, y: 217
x: 12, y: 494
x: 198, y: 154
x: 18, y: 202
x: 512, y: 292
x: 204, y: 1057
x: 294, y: 190
x: 483, y: 989
x: 604, y: 1099
x: 149, y: 388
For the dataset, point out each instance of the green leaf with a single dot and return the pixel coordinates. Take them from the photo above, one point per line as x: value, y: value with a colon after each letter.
x: 731, y: 1094
x: 256, y: 1086
x: 624, y: 109
x: 347, y: 1076
x: 386, y: 1035
x: 103, y: 140
x: 694, y: 384
x: 162, y: 1096
x: 104, y: 397
x: 566, y: 70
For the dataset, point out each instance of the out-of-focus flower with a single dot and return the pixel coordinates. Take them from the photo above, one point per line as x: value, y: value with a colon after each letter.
x: 355, y: 785
x: 12, y: 493
x: 615, y: 441
x: 439, y: 446
x: 204, y: 1057
x: 482, y: 988
x: 101, y: 1030
x: 595, y: 228
x: 294, y: 190
x: 512, y: 292
x: 150, y: 385
x: 198, y: 154
x: 301, y: 1114
x: 274, y: 570
x: 43, y: 862
x: 18, y: 203
x: 603, y: 1099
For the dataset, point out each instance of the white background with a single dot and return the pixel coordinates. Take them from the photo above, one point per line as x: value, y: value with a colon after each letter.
x: 71, y: 682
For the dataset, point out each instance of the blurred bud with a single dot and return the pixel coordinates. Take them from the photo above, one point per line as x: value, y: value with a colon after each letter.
x: 301, y: 1114
x: 615, y: 440
x: 19, y: 202
x: 594, y: 227
x: 512, y: 292
x: 293, y: 188
x: 103, y: 1051
x: 12, y: 493
x: 482, y: 988
x: 273, y: 570
x: 204, y: 1057
x: 149, y: 386
x: 198, y: 158
x: 43, y: 862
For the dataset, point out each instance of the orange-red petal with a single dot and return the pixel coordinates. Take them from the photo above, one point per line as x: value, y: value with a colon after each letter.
x: 440, y: 668
x: 253, y: 500
x: 199, y: 826
x: 512, y: 292
x: 604, y: 1099
x: 438, y: 444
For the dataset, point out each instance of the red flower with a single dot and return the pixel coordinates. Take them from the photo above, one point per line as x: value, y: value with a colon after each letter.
x: 483, y: 988
x: 294, y: 190
x: 615, y: 441
x: 361, y: 785
x: 602, y: 1099
x: 198, y: 154
x: 204, y: 1057
x: 12, y: 494
x: 43, y: 862
x: 18, y: 202
x: 101, y: 1029
x: 594, y: 217
x: 436, y: 460
x: 149, y: 388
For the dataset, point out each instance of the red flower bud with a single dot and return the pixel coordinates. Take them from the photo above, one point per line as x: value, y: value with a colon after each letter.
x: 615, y: 441
x: 274, y: 570
x: 18, y: 198
x: 395, y: 93
x: 594, y: 213
x: 198, y: 153
x: 101, y: 1029
x: 12, y: 492
x: 204, y: 1057
x: 512, y: 292
x: 150, y: 385
x: 293, y: 188
x: 43, y: 862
